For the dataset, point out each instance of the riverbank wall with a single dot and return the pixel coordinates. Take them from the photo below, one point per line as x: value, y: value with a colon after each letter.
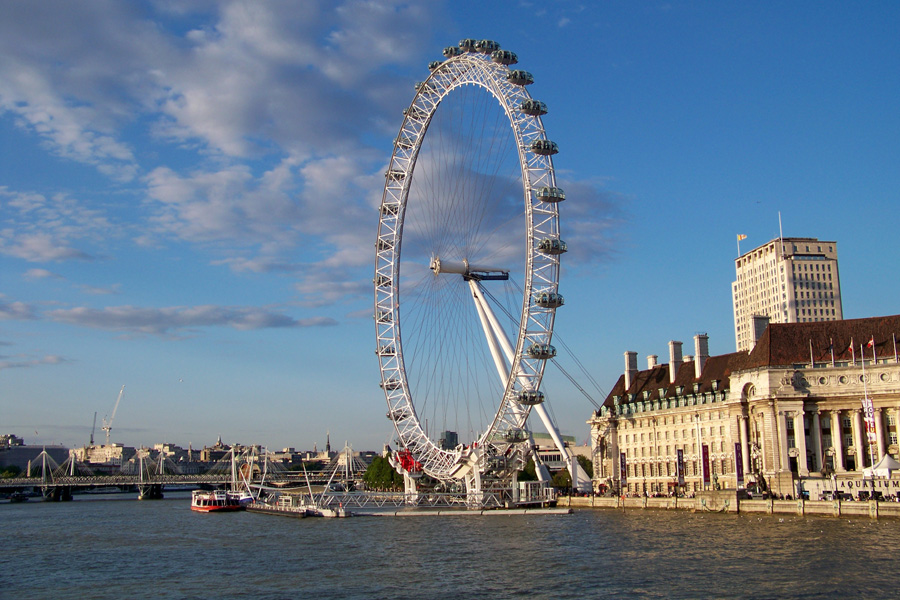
x: 730, y: 503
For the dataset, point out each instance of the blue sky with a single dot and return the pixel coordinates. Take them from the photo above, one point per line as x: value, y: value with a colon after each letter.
x: 187, y: 195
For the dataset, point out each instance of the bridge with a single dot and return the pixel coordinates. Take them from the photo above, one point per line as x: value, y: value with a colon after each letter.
x: 58, y: 482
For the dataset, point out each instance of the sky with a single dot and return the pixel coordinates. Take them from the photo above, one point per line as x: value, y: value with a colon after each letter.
x: 189, y: 193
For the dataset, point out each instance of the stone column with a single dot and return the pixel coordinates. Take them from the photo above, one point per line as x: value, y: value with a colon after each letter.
x: 816, y: 438
x: 837, y: 442
x: 783, y: 463
x: 897, y: 430
x: 613, y: 449
x: 745, y: 447
x: 800, y: 442
x: 879, y: 433
x: 765, y: 441
x: 856, y: 423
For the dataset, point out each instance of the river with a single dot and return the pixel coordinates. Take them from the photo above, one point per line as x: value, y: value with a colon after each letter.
x: 114, y: 546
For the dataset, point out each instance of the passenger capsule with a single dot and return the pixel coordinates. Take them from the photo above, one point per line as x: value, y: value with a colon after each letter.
x: 549, y: 300
x: 541, y: 351
x: 544, y: 147
x: 504, y: 57
x: 520, y: 77
x: 385, y: 351
x: 404, y: 142
x: 424, y: 86
x: 452, y: 51
x: 383, y: 281
x: 486, y: 46
x: 552, y: 246
x: 515, y: 436
x: 433, y: 65
x: 395, y: 175
x: 549, y: 194
x: 532, y: 107
x: 384, y: 316
x: 530, y: 397
x: 390, y: 384
x: 398, y: 414
x: 382, y: 245
x: 414, y: 112
x: 468, y: 45
x: 390, y: 209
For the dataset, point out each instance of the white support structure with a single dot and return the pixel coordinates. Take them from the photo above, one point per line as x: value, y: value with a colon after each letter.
x: 495, y: 333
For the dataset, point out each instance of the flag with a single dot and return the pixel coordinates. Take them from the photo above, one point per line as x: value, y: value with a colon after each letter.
x: 871, y: 343
x: 741, y: 236
x: 851, y: 345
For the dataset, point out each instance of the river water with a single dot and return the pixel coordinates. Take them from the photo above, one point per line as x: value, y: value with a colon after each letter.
x: 117, y: 547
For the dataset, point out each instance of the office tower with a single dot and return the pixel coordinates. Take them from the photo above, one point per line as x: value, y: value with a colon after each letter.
x: 786, y: 280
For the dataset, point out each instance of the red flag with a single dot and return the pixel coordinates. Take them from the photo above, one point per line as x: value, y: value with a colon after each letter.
x: 850, y: 348
x: 871, y: 343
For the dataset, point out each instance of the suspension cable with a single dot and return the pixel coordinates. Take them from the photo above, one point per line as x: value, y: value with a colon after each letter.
x: 553, y: 360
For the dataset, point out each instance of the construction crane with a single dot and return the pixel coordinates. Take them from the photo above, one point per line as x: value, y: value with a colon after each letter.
x: 93, y: 428
x: 107, y: 425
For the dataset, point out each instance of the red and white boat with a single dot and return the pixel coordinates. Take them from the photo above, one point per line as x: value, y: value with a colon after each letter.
x: 216, y: 501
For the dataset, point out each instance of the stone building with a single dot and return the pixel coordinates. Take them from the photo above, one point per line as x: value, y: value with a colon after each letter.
x: 786, y: 417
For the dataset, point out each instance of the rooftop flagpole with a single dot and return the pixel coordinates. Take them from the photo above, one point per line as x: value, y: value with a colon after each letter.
x: 894, y: 336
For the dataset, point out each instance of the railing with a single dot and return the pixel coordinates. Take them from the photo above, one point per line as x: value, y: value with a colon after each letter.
x: 279, y: 479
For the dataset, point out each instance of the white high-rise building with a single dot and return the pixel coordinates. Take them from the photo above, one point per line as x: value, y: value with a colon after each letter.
x: 786, y: 280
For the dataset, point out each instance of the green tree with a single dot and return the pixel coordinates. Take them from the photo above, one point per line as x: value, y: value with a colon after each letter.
x: 10, y: 471
x: 382, y: 476
x: 586, y: 464
x: 561, y: 480
x: 528, y: 473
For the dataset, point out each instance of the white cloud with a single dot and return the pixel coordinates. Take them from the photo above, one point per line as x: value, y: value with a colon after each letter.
x: 23, y: 361
x: 41, y: 274
x: 166, y: 321
x: 40, y: 229
x: 16, y: 311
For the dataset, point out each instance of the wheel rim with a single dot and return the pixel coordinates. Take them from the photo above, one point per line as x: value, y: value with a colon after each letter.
x: 467, y: 181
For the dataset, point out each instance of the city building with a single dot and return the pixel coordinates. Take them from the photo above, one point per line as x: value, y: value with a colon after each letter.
x: 789, y: 417
x: 14, y: 452
x: 786, y: 280
x: 111, y: 455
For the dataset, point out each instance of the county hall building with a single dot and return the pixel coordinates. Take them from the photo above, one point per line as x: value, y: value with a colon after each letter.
x: 786, y: 416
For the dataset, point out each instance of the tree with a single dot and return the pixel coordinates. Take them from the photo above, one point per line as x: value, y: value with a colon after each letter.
x: 381, y: 475
x: 561, y: 480
x: 528, y: 473
x: 10, y: 471
x: 586, y: 464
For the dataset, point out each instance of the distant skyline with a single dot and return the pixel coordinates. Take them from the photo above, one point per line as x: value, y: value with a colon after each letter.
x: 188, y: 193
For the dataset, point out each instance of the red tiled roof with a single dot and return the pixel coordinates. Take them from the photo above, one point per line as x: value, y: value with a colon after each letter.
x: 782, y: 344
x: 717, y: 368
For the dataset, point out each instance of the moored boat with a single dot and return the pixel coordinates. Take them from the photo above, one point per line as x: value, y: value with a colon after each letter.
x: 215, y: 501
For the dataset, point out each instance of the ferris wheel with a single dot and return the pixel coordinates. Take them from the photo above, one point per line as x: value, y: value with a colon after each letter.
x: 467, y: 268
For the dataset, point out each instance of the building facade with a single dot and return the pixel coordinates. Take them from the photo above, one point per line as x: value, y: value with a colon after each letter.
x: 787, y: 417
x: 787, y: 280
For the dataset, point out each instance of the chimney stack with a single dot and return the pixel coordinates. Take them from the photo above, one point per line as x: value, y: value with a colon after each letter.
x: 674, y: 360
x: 631, y: 369
x: 651, y: 361
x: 701, y: 351
x: 758, y: 325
